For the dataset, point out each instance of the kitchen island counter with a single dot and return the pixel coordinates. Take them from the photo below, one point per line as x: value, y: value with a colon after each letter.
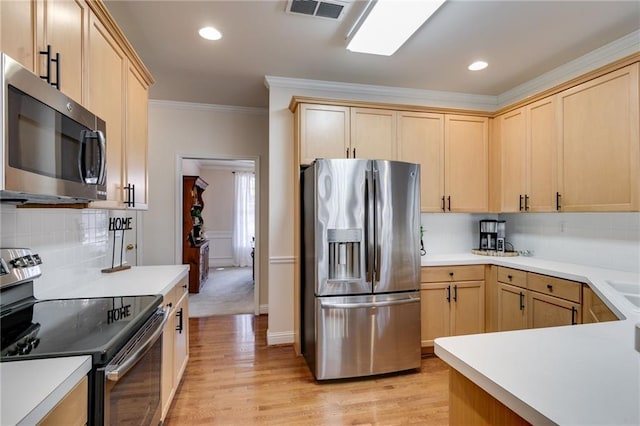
x: 31, y: 389
x: 584, y: 374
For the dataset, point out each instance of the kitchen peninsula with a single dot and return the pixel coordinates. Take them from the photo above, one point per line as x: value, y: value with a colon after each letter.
x: 582, y: 374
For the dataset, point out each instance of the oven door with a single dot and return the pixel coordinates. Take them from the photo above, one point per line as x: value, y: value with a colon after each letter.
x: 132, y: 380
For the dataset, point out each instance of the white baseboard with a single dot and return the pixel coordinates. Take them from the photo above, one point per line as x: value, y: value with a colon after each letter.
x: 216, y: 262
x: 264, y: 309
x: 279, y: 338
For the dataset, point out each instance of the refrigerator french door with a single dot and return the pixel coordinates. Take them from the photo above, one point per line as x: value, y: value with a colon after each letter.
x: 360, y: 304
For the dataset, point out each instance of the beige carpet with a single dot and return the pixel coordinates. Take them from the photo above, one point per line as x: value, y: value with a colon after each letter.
x: 227, y: 291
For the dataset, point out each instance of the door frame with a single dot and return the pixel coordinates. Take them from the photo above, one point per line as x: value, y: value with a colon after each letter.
x: 178, y: 212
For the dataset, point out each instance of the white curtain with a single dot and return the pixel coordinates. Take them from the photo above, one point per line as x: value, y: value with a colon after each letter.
x: 244, y: 218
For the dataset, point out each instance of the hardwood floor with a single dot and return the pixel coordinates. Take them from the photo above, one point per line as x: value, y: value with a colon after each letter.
x: 234, y: 378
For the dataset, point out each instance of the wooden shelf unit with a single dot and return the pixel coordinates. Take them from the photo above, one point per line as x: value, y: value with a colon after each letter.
x: 195, y: 247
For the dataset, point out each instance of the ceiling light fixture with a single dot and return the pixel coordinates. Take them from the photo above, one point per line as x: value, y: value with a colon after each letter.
x: 386, y: 25
x: 477, y: 66
x: 210, y: 33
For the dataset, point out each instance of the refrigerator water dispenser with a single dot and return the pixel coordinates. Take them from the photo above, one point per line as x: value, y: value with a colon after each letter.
x: 344, y: 253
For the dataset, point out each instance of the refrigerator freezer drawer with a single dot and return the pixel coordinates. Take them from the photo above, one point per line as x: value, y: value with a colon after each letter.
x: 367, y: 335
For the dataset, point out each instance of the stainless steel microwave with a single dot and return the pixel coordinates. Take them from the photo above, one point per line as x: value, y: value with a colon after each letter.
x: 53, y: 149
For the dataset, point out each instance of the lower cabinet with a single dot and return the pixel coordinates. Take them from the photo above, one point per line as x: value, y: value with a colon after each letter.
x: 452, y: 302
x: 72, y: 409
x: 175, y: 342
x: 593, y: 308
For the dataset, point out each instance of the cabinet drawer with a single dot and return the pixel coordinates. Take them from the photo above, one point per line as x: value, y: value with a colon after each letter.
x: 512, y: 276
x: 569, y: 290
x: 434, y: 274
x: 181, y: 288
x: 171, y: 297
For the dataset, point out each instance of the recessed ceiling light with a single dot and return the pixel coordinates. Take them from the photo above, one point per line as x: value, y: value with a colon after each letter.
x: 210, y: 33
x: 477, y: 66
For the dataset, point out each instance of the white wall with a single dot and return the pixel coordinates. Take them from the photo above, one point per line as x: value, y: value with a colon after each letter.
x: 218, y: 215
x: 199, y: 131
x: 447, y: 233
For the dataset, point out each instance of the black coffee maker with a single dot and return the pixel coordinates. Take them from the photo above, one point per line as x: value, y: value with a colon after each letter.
x: 492, y: 234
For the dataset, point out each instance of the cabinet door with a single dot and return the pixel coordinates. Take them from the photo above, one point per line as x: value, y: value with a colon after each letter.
x: 466, y: 162
x: 65, y: 23
x: 136, y: 137
x: 107, y: 73
x: 512, y: 314
x: 434, y: 312
x: 323, y: 132
x: 549, y: 311
x: 181, y: 333
x: 421, y: 140
x: 541, y: 156
x: 168, y: 344
x: 18, y: 31
x: 593, y: 308
x: 467, y: 307
x: 598, y: 143
x: 513, y: 144
x: 373, y: 134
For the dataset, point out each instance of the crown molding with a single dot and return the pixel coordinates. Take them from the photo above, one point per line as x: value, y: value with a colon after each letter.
x: 426, y: 97
x: 618, y: 49
x: 207, y: 107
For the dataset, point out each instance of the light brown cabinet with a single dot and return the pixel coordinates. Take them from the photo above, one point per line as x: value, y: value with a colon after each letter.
x: 329, y: 131
x: 530, y: 300
x: 175, y: 342
x: 528, y: 158
x: 421, y: 140
x: 593, y: 308
x: 18, y: 31
x: 599, y: 152
x: 452, y: 301
x: 135, y: 153
x: 466, y: 164
x: 373, y: 134
x: 72, y: 409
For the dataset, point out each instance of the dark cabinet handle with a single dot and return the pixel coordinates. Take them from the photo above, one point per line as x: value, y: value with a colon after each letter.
x: 49, y: 59
x: 354, y: 153
x: 449, y: 202
x: 169, y: 305
x: 455, y: 293
x: 526, y: 203
x: 521, y: 301
x: 184, y: 286
x: 449, y: 293
x: 443, y: 203
x: 550, y: 287
x: 510, y: 277
x: 179, y: 327
x: 131, y: 195
x: 574, y: 313
x: 520, y: 205
x: 347, y: 152
x: 558, y: 200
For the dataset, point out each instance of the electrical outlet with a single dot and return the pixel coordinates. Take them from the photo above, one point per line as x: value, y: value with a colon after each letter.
x: 563, y: 226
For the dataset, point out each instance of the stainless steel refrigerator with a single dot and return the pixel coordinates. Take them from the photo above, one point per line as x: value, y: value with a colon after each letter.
x: 360, y: 269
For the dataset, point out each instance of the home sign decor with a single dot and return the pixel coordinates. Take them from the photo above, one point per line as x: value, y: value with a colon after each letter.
x: 116, y: 224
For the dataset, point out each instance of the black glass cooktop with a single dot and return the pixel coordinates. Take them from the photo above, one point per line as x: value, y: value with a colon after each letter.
x: 94, y: 326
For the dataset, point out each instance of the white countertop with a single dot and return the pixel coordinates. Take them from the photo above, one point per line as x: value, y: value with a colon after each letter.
x: 30, y: 389
x: 139, y: 280
x: 573, y: 375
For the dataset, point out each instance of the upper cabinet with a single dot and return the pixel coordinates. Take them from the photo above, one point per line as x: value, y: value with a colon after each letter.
x: 599, y: 144
x: 528, y: 158
x: 466, y: 164
x: 323, y: 132
x: 18, y: 31
x: 373, y: 134
x: 331, y: 131
x: 87, y: 58
x: 421, y: 140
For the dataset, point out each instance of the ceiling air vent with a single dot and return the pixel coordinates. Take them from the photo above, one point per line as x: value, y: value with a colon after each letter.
x: 332, y: 9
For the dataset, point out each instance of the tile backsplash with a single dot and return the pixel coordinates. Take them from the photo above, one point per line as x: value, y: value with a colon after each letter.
x: 74, y: 243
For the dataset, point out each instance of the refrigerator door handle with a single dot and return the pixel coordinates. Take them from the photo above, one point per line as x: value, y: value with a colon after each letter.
x: 376, y: 227
x: 369, y: 224
x: 335, y: 305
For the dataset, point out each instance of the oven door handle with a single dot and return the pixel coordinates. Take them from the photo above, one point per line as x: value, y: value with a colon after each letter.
x: 123, y: 366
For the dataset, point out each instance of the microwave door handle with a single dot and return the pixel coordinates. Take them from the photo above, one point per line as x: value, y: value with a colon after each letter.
x: 102, y: 145
x: 81, y: 155
x: 132, y: 359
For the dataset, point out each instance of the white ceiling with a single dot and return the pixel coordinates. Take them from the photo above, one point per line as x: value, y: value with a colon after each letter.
x: 520, y: 40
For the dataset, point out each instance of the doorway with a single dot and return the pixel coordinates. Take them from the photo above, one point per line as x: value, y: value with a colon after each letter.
x: 231, y: 225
